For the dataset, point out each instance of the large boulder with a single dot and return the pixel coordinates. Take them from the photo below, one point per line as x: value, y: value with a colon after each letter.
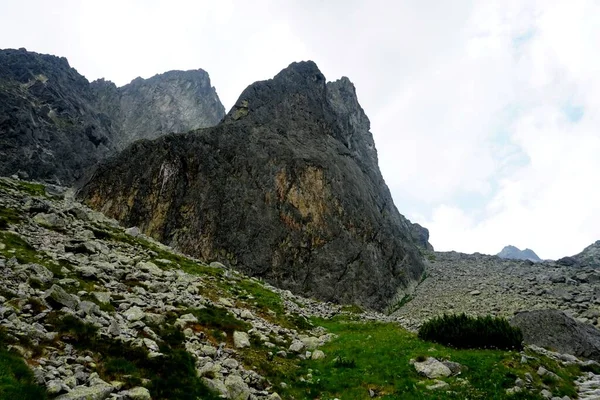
x: 555, y: 330
x: 286, y: 188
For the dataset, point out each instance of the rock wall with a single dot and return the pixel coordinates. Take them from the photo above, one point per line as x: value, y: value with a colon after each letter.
x: 287, y: 188
x: 54, y: 124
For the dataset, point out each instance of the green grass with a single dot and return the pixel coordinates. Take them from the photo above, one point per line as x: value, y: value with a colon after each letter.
x: 376, y: 356
x: 214, y: 320
x: 15, y: 246
x: 16, y: 379
x: 33, y: 189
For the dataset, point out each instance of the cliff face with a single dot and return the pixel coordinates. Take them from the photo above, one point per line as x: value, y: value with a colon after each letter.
x: 287, y: 188
x: 49, y: 128
x: 54, y: 124
x: 176, y: 101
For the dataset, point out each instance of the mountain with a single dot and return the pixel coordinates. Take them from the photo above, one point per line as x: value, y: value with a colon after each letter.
x: 287, y: 188
x: 514, y: 253
x: 176, y: 101
x: 589, y: 257
x: 90, y: 310
x: 54, y: 124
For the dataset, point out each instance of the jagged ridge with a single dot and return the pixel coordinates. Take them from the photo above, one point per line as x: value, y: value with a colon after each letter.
x: 287, y: 188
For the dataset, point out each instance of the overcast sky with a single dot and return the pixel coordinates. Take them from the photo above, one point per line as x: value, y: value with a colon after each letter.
x: 485, y: 113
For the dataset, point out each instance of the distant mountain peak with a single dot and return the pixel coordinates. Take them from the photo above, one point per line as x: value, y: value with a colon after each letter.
x: 514, y: 253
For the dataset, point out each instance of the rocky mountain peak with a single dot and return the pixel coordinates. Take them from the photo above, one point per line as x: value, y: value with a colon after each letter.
x: 287, y: 188
x: 55, y: 125
x: 515, y: 253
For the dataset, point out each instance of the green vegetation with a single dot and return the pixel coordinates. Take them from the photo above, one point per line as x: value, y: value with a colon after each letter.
x: 213, y: 321
x: 170, y: 376
x: 376, y: 356
x: 16, y: 379
x: 32, y: 189
x: 462, y: 331
x: 8, y: 217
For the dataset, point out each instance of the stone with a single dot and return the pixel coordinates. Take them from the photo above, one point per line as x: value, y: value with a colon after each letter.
x: 241, y: 340
x: 310, y: 342
x: 215, y: 385
x: 41, y: 273
x: 102, y: 297
x: 554, y: 329
x: 297, y: 346
x: 317, y: 355
x: 432, y: 368
x: 437, y: 385
x: 237, y: 389
x: 149, y: 267
x: 96, y: 392
x: 52, y: 220
x: 137, y: 393
x: 133, y: 231
x: 58, y: 295
x: 134, y: 314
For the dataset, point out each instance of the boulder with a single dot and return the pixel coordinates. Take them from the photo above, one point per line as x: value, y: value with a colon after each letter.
x: 555, y: 330
x: 432, y: 368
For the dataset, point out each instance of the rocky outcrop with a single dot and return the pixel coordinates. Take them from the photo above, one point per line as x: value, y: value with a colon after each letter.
x: 176, y: 101
x: 54, y: 124
x: 589, y: 257
x: 514, y: 253
x: 49, y: 128
x: 286, y: 188
x: 555, y: 330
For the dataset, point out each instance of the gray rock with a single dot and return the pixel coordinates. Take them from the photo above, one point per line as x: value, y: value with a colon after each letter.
x: 97, y: 392
x: 137, y: 393
x: 58, y: 295
x: 297, y: 346
x: 52, y: 220
x: 134, y: 314
x: 237, y: 389
x: 554, y: 329
x: 432, y: 368
x: 216, y: 386
x: 318, y: 142
x: 241, y: 340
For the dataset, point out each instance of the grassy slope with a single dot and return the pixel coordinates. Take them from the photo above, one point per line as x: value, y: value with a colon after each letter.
x: 370, y: 355
x: 381, y: 354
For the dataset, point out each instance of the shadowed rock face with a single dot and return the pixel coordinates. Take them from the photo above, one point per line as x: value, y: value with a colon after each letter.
x: 54, y: 124
x: 286, y: 188
x: 555, y: 330
x: 589, y: 257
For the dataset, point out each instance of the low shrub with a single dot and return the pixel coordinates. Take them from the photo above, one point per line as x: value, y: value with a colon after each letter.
x: 462, y: 331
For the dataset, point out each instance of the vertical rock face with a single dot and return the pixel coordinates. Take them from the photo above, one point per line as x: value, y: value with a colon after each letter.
x: 286, y: 188
x: 49, y: 128
x: 54, y: 124
x: 176, y: 101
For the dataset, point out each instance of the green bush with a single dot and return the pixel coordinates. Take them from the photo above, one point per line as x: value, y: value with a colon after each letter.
x: 462, y: 331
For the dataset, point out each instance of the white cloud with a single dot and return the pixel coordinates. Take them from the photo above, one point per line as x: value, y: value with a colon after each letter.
x: 484, y: 114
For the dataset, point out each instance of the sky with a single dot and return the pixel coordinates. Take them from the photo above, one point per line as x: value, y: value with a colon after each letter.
x: 485, y: 114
